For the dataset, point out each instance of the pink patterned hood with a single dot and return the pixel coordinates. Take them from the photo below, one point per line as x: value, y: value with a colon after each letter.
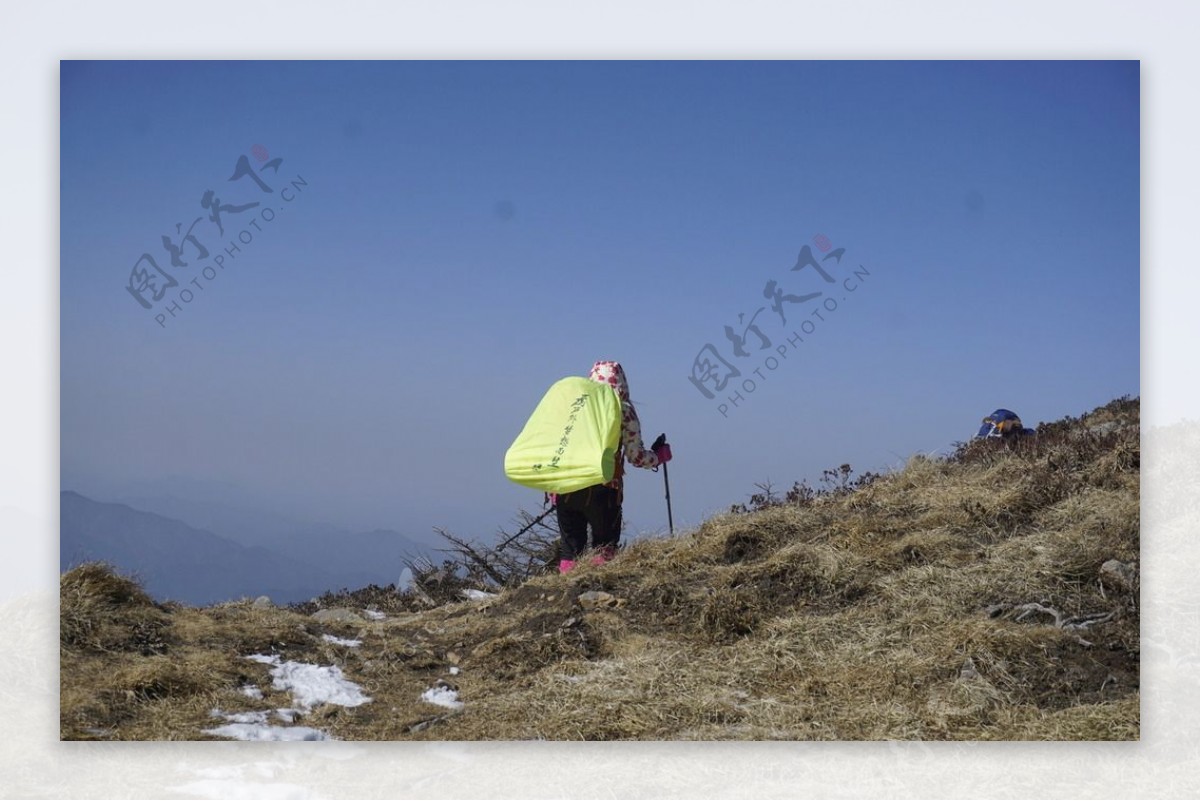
x: 611, y: 373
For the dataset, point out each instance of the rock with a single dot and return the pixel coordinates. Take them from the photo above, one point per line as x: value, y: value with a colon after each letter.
x: 262, y: 602
x: 996, y: 610
x: 405, y: 582
x: 599, y: 600
x: 425, y: 724
x: 968, y: 670
x: 337, y: 614
x: 1120, y: 574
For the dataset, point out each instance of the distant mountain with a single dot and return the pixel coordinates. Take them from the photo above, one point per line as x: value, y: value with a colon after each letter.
x: 361, y: 558
x: 242, y: 524
x: 180, y: 562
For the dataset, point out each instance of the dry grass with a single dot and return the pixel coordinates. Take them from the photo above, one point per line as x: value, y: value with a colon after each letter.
x: 954, y: 599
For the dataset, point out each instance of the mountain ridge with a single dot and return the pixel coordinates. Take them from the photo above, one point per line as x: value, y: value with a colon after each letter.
x: 182, y: 562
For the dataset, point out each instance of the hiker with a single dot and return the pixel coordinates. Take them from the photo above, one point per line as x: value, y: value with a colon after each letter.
x: 1003, y: 424
x: 600, y: 505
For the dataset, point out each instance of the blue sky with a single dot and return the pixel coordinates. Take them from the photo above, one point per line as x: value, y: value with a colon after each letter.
x: 462, y: 234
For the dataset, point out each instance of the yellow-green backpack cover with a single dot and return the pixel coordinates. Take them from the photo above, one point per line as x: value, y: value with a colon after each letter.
x: 571, y: 439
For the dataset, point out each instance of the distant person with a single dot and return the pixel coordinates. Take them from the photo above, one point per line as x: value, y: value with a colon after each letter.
x: 1003, y: 424
x: 599, y: 506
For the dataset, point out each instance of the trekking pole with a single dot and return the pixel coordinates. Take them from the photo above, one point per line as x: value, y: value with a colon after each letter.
x: 536, y: 520
x: 662, y: 440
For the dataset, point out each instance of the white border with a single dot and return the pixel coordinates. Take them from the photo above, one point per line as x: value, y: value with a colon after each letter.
x: 35, y: 37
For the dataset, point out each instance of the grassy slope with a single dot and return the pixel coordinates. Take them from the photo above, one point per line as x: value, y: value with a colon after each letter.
x: 891, y: 612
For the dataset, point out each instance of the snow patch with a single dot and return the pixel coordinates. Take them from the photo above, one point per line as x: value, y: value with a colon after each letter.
x: 312, y: 685
x: 477, y: 595
x: 240, y: 717
x: 287, y: 715
x: 341, y: 641
x: 373, y: 614
x: 442, y: 696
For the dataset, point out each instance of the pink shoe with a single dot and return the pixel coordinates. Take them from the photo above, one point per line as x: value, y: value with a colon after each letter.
x: 565, y: 565
x: 603, y: 555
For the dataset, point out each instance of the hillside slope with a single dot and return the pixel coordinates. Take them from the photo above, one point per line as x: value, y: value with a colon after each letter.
x: 991, y: 595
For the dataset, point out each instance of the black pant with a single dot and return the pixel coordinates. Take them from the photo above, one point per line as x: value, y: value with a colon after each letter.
x: 599, y: 506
